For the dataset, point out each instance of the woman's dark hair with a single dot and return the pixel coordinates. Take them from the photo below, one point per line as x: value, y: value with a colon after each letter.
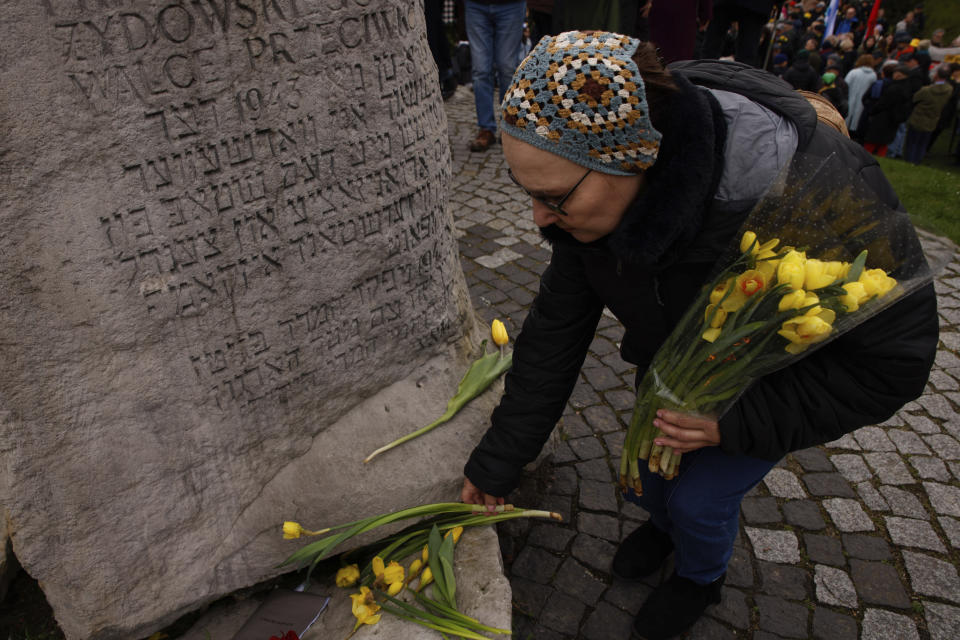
x: 657, y: 82
x: 866, y: 60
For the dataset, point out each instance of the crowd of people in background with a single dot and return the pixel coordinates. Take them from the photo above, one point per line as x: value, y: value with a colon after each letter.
x: 876, y: 70
x: 878, y: 74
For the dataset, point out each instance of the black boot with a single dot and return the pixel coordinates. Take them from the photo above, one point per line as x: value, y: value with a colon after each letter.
x: 674, y: 606
x: 641, y: 553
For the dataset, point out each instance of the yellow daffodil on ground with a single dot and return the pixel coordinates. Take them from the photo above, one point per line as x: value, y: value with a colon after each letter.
x: 414, y: 570
x: 481, y: 374
x: 293, y: 530
x: 393, y: 574
x: 499, y: 333
x: 383, y: 578
x: 347, y: 576
x: 425, y: 578
x: 365, y: 607
x: 389, y: 577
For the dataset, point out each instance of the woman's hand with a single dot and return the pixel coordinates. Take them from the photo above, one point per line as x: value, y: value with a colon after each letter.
x: 685, y: 432
x: 470, y: 494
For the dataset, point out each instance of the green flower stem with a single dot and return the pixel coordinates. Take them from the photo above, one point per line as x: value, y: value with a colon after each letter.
x: 321, y: 548
x: 412, y: 614
x: 699, y: 382
x: 481, y: 375
x: 417, y: 539
x: 441, y: 609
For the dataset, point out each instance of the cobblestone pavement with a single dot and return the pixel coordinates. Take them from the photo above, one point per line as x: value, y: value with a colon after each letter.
x: 859, y: 538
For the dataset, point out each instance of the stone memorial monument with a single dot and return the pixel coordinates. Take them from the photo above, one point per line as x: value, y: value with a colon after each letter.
x: 228, y: 275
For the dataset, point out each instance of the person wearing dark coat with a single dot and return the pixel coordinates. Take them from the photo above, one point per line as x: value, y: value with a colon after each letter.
x: 848, y: 56
x: 801, y: 75
x: 541, y: 17
x: 637, y: 231
x: 928, y: 105
x: 673, y: 26
x: 750, y: 16
x: 949, y: 112
x: 780, y: 62
x: 887, y: 114
x: 835, y: 90
x: 917, y: 77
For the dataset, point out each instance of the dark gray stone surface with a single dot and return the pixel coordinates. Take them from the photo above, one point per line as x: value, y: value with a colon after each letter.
x: 830, y: 625
x: 761, y: 510
x: 787, y: 581
x: 786, y: 619
x: 804, y: 514
x: 828, y: 485
x: 824, y: 549
x: 879, y: 583
x: 866, y: 547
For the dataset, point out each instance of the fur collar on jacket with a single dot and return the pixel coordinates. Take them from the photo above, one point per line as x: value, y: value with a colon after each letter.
x: 668, y: 213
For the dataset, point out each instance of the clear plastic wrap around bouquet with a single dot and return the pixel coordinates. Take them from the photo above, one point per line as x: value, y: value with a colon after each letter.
x: 816, y: 257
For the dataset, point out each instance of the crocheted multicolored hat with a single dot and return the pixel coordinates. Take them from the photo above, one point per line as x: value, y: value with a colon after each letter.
x: 580, y: 95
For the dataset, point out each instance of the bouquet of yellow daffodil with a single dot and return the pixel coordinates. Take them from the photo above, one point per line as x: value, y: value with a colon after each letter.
x: 481, y: 374
x: 814, y: 260
x: 383, y: 578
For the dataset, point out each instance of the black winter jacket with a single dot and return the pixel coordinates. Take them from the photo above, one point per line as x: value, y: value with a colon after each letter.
x: 886, y: 115
x: 803, y: 76
x: 649, y: 270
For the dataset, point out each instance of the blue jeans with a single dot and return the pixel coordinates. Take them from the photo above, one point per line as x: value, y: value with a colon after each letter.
x: 916, y: 145
x: 895, y: 148
x: 700, y: 508
x: 494, y: 32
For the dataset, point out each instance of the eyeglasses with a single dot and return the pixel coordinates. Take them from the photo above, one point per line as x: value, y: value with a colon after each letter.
x: 553, y: 206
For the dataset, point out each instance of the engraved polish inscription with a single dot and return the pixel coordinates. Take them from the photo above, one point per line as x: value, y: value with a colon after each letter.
x: 259, y: 174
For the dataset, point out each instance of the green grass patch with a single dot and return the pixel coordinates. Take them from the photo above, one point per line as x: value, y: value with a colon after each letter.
x: 930, y: 194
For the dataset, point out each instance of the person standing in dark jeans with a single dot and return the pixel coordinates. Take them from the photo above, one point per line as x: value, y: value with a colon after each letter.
x: 494, y: 29
x: 750, y: 16
x: 928, y: 104
x: 886, y: 114
x: 437, y: 39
